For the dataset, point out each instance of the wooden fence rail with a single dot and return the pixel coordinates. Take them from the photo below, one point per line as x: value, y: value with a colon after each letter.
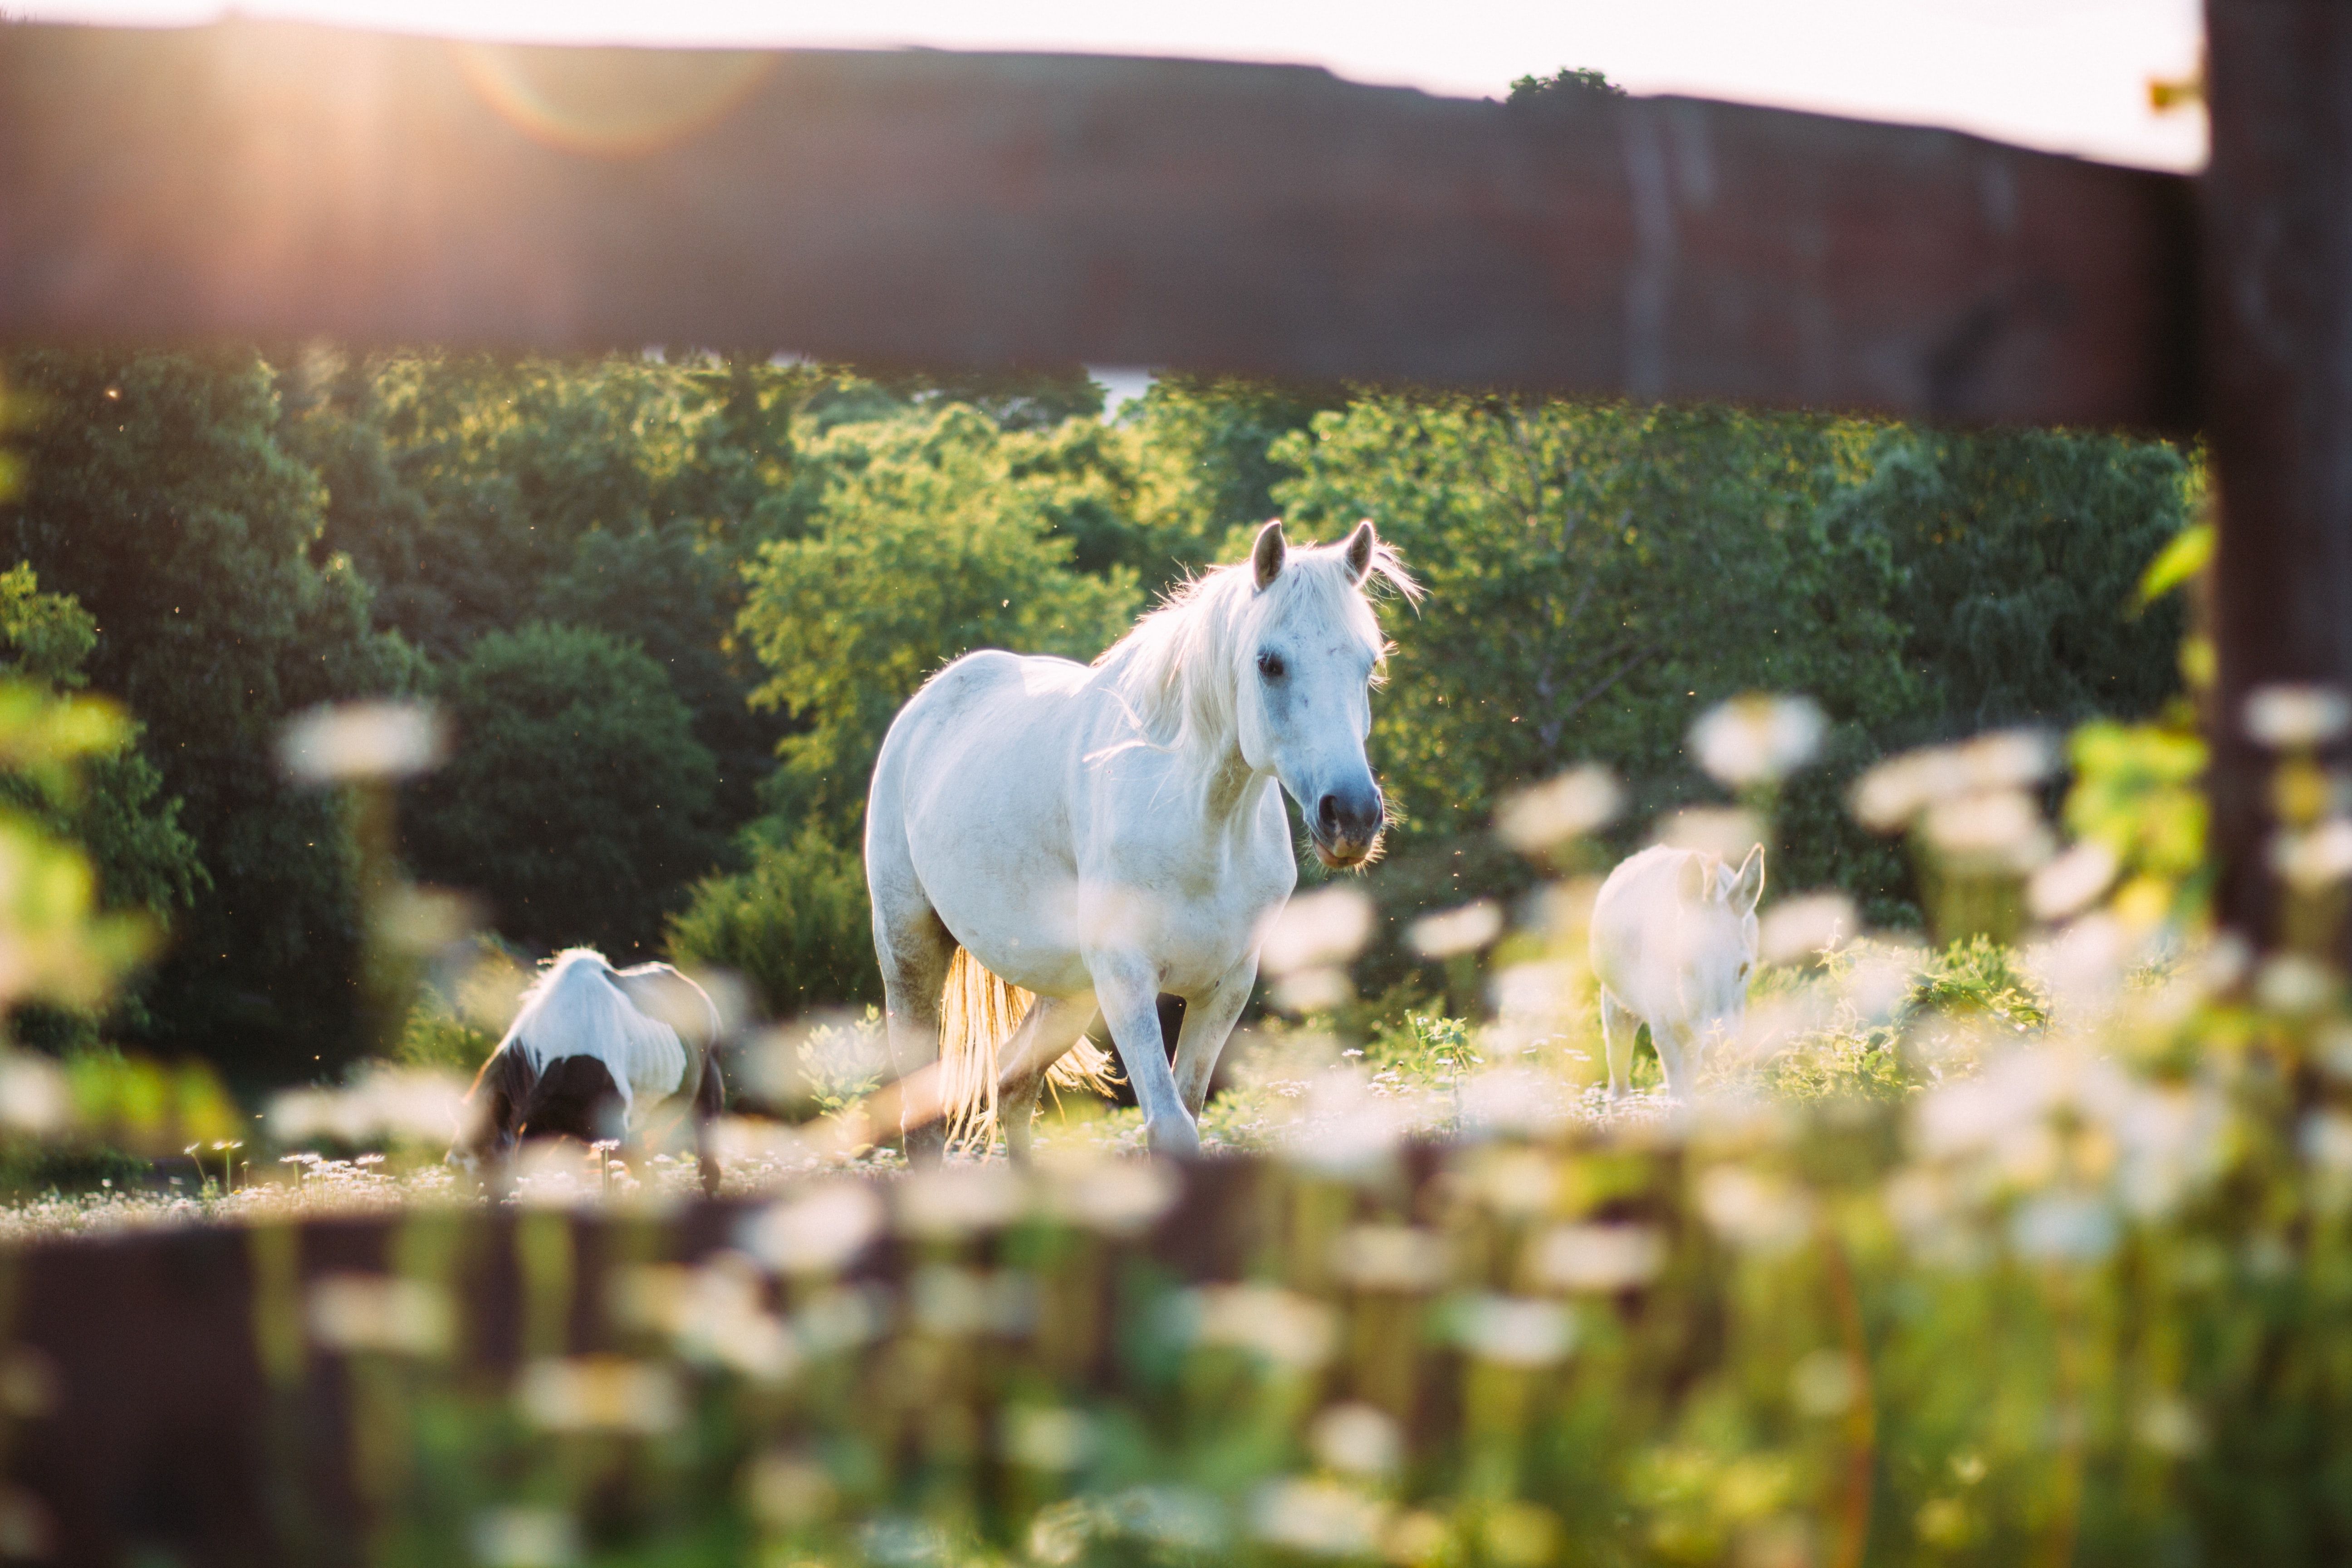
x: 280, y: 181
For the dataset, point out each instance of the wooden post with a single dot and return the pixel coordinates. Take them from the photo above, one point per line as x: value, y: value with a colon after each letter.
x: 2278, y: 304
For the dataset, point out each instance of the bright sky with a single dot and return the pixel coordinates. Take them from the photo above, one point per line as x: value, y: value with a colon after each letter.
x: 2067, y: 75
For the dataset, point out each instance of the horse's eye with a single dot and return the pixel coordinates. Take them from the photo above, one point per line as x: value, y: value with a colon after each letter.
x: 1269, y: 664
x: 1743, y: 972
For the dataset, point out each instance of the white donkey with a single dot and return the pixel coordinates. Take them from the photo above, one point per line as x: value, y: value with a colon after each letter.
x: 591, y: 1051
x: 1673, y: 941
x: 1046, y: 841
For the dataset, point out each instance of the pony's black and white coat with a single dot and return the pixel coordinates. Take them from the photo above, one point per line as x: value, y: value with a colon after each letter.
x: 591, y: 1050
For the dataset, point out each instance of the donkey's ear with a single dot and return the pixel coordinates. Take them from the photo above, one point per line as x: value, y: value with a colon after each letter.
x: 1269, y: 553
x: 1748, y: 886
x: 1696, y: 880
x: 1361, y: 545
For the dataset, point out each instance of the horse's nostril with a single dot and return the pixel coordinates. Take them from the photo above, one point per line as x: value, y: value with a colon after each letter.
x: 1326, y: 814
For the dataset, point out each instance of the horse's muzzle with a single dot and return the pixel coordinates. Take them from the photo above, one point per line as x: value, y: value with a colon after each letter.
x: 1346, y: 826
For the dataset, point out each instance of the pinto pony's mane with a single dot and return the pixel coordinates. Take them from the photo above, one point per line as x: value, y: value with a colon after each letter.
x: 1178, y: 670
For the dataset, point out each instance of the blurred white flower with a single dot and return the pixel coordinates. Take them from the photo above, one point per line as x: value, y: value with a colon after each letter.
x: 1117, y: 1197
x: 1887, y: 797
x: 2327, y: 1140
x: 1880, y: 979
x: 380, y: 1312
x: 396, y: 1104
x: 1823, y: 1383
x: 1725, y: 832
x: 1759, y: 738
x: 1285, y: 1328
x: 1568, y: 807
x: 2064, y: 1227
x: 2071, y: 881
x: 2291, y: 716
x: 1512, y: 1179
x: 1751, y: 1209
x: 34, y: 1097
x: 1318, y: 1518
x: 526, y: 1538
x: 412, y: 918
x: 2316, y: 856
x: 953, y: 1302
x: 715, y: 1314
x: 2082, y: 967
x: 1316, y: 990
x: 1181, y: 1518
x: 1046, y: 1436
x: 363, y: 740
x: 787, y: 1492
x: 1989, y: 830
x: 2169, y: 1423
x: 601, y: 1393
x: 1464, y: 930
x: 2293, y: 984
x: 1798, y: 930
x: 817, y: 1231
x: 1344, y: 1129
x: 1321, y: 929
x: 958, y: 1200
x: 1537, y: 991
x: 1514, y: 1102
x: 1357, y: 1439
x: 1602, y: 1257
x: 1396, y: 1258
x: 1513, y: 1331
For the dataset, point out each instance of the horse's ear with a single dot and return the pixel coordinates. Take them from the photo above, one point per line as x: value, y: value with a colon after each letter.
x: 1748, y: 886
x: 1269, y: 553
x: 1361, y: 545
x: 1696, y: 880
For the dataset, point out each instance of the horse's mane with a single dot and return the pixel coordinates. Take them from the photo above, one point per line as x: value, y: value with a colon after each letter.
x: 1178, y: 670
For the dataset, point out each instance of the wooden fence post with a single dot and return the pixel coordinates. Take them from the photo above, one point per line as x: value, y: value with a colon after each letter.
x: 2278, y: 334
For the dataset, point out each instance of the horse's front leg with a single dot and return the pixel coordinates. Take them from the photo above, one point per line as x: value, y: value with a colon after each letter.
x: 1128, y: 986
x: 1208, y: 1024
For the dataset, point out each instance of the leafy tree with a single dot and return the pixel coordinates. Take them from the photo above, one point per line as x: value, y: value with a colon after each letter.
x: 159, y: 497
x: 923, y: 546
x: 1206, y: 465
x: 1565, y: 85
x: 577, y: 799
x: 142, y: 856
x: 794, y: 924
x: 2019, y: 552
x: 1599, y: 576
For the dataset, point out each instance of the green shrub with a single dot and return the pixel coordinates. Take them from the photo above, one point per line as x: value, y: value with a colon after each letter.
x: 794, y: 924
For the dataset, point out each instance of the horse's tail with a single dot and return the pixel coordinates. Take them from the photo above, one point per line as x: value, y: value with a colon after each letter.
x: 979, y: 1015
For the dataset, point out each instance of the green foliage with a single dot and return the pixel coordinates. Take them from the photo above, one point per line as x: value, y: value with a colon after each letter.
x: 1569, y: 84
x: 923, y: 545
x: 794, y: 924
x: 2020, y: 556
x: 577, y: 798
x: 1598, y: 577
x: 159, y: 498
x: 436, y: 1037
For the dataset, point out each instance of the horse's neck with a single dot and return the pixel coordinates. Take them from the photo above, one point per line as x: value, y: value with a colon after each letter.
x: 1231, y: 795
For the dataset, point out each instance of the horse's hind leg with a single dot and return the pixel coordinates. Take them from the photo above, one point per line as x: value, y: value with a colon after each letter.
x: 1046, y: 1036
x: 913, y: 947
x: 709, y: 1101
x: 1618, y: 1029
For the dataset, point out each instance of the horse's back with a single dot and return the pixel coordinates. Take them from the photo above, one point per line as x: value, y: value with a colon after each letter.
x: 586, y: 1008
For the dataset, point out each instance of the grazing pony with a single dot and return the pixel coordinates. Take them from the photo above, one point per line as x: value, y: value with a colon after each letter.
x: 1673, y: 941
x: 592, y: 1050
x: 1047, y: 840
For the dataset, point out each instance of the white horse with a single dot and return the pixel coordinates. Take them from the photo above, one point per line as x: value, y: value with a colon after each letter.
x: 592, y: 1050
x: 1047, y: 840
x: 1673, y: 941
